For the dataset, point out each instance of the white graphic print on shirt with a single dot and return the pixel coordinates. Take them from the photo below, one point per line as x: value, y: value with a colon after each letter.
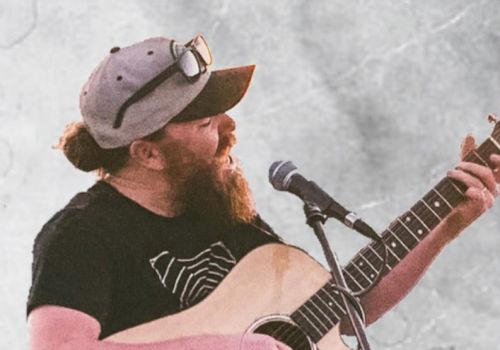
x: 192, y: 279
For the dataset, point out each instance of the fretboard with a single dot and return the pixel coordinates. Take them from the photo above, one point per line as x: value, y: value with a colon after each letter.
x: 320, y: 313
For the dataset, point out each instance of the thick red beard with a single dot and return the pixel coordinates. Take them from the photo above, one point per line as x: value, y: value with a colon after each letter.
x: 220, y: 195
x: 216, y: 192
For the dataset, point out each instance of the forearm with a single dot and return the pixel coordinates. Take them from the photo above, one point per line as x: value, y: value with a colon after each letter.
x: 55, y: 327
x: 189, y: 343
x: 88, y: 344
x: 481, y: 183
x: 396, y: 284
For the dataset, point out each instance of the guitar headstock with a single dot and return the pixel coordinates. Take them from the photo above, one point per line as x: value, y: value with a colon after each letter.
x: 496, y: 130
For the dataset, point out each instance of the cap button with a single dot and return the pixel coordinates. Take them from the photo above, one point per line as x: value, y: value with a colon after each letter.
x: 114, y: 49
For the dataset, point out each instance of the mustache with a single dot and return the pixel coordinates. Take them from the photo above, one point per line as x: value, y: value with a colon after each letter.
x: 226, y: 142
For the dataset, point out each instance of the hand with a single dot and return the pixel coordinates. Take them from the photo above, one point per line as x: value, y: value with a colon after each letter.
x: 483, y: 188
x: 229, y: 342
x: 258, y: 342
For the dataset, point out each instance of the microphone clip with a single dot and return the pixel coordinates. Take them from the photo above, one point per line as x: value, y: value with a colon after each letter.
x: 313, y: 213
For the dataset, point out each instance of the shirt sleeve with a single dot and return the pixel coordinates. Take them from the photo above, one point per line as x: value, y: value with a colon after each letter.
x: 71, y: 268
x: 263, y: 226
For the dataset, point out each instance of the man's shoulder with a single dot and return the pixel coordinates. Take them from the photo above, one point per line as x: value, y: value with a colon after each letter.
x: 86, y: 211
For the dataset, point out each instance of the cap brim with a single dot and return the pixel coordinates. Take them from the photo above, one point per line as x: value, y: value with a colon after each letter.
x: 224, y: 89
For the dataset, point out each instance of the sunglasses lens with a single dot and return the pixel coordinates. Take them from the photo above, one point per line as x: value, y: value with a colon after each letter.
x: 202, y: 48
x: 189, y: 64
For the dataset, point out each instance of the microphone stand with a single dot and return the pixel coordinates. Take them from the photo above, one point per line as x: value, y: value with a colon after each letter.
x: 316, y: 219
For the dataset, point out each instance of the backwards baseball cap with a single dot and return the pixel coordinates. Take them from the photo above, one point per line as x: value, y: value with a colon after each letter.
x: 138, y: 89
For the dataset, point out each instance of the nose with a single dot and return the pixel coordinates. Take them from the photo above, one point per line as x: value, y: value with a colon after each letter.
x: 226, y: 123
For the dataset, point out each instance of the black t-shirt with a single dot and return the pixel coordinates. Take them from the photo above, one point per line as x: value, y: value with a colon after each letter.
x: 107, y: 256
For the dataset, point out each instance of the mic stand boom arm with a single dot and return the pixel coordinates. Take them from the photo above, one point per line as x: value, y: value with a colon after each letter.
x: 316, y: 219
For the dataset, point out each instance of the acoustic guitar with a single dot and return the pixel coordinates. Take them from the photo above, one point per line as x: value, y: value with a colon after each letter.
x: 281, y: 291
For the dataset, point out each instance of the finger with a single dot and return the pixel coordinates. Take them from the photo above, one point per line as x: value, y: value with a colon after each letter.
x: 282, y: 346
x: 261, y: 342
x: 495, y: 159
x: 482, y: 173
x: 467, y: 146
x: 484, y: 198
x: 466, y: 178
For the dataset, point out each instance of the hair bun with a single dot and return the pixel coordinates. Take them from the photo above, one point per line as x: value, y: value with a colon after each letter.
x: 80, y: 148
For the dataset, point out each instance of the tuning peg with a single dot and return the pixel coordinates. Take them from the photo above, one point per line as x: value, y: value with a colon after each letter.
x: 492, y: 118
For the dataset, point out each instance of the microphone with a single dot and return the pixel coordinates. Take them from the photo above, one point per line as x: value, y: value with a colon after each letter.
x: 284, y: 176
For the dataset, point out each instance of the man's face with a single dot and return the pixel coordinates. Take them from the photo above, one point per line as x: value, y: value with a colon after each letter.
x: 204, y: 139
x: 207, y: 180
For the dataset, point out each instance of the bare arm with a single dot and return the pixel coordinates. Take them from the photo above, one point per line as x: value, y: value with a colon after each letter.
x: 480, y: 196
x: 56, y: 327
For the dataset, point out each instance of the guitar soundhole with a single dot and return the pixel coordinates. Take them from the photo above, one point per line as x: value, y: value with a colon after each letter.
x: 286, y: 333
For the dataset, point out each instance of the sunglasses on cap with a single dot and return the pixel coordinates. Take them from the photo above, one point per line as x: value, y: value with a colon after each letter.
x: 191, y: 60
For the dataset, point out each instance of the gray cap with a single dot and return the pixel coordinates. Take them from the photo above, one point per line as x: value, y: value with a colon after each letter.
x: 124, y: 71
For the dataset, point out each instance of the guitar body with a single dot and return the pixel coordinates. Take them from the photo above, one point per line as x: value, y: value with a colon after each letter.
x: 271, y: 282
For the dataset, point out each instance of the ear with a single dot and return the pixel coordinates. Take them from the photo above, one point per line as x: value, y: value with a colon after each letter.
x: 147, y: 154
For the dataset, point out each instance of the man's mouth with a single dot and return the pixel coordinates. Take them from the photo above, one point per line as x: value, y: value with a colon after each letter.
x: 230, y: 159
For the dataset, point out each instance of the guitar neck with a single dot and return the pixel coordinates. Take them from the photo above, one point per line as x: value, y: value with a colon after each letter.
x: 409, y: 229
x: 324, y: 309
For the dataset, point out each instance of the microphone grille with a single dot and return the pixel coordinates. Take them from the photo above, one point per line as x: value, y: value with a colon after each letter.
x: 280, y: 174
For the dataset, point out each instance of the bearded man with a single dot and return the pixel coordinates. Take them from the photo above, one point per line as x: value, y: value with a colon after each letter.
x: 172, y: 214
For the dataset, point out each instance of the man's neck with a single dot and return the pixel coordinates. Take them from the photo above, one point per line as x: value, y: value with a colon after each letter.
x: 151, y: 192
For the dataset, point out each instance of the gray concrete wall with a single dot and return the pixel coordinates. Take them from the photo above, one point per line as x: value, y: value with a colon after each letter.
x: 369, y: 98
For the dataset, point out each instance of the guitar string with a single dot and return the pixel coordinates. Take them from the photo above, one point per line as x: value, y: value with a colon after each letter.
x: 292, y: 341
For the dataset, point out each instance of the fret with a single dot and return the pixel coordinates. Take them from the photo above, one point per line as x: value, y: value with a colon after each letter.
x: 446, y: 189
x: 403, y: 234
x: 310, y: 328
x: 389, y: 267
x: 436, y: 205
x: 408, y: 229
x: 315, y: 319
x: 347, y: 274
x: 393, y: 247
x: 497, y: 145
x: 362, y: 260
x: 330, y: 284
x: 478, y: 156
x: 375, y: 270
x: 316, y: 316
x: 400, y: 239
x: 421, y: 221
x: 374, y: 251
x: 489, y: 149
x: 458, y: 189
x: 394, y: 255
x: 433, y: 212
x: 325, y: 316
x: 378, y: 245
x: 329, y: 305
x: 362, y: 273
x: 442, y: 197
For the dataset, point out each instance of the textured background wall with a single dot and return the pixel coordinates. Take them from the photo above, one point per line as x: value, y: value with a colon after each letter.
x: 369, y: 98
